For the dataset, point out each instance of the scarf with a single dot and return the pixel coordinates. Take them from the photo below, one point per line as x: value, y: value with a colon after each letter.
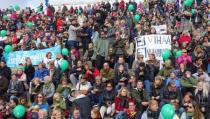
x: 152, y: 114
x: 123, y: 102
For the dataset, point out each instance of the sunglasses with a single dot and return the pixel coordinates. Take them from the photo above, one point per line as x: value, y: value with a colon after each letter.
x: 39, y: 96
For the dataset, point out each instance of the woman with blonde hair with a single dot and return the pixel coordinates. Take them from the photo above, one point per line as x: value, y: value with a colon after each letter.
x: 122, y: 100
x: 192, y: 112
x: 58, y: 102
x: 202, y: 97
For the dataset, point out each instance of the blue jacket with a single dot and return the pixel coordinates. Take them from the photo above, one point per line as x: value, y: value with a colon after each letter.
x: 42, y: 106
x: 41, y: 73
x: 177, y: 81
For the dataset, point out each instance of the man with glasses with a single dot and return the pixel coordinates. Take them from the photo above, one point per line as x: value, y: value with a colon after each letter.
x: 171, y: 94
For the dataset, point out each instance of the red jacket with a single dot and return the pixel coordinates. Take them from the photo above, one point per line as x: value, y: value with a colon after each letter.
x: 14, y: 39
x: 91, y: 76
x: 184, y: 38
x: 121, y: 103
x: 59, y: 25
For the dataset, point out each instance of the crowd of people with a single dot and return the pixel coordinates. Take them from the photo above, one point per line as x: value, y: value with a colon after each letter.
x: 105, y: 77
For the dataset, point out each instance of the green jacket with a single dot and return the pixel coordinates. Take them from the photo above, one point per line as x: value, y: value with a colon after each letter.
x: 110, y: 75
x: 64, y: 91
x: 188, y: 82
x: 165, y: 72
x: 61, y: 104
x: 101, y: 47
x: 139, y: 96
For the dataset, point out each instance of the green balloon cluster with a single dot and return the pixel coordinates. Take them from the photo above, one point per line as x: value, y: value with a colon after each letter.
x: 65, y: 51
x: 30, y: 25
x: 167, y: 111
x: 188, y: 3
x: 130, y: 7
x: 19, y: 111
x: 6, y: 18
x: 166, y: 54
x: 3, y: 33
x: 137, y: 18
x: 8, y: 49
x: 64, y: 65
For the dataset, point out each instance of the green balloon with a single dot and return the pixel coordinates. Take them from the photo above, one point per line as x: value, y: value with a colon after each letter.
x: 188, y: 3
x: 6, y: 18
x: 174, y: 52
x: 193, y: 11
x: 8, y: 49
x: 19, y: 111
x: 166, y: 54
x: 137, y: 18
x: 3, y: 33
x: 178, y: 53
x: 65, y: 51
x: 11, y: 8
x: 79, y: 11
x: 130, y: 7
x: 17, y: 7
x: 64, y: 65
x: 30, y: 24
x: 191, y: 1
x: 167, y: 111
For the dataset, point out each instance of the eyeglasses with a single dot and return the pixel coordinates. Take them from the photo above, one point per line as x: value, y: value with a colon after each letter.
x: 40, y: 97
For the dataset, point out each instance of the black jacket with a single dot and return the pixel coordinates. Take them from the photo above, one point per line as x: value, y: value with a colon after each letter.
x: 120, y: 75
x: 5, y: 72
x: 84, y: 105
x: 202, y: 101
x: 108, y: 97
x: 167, y: 95
x: 4, y: 82
x: 144, y: 76
x: 156, y: 91
x: 29, y: 71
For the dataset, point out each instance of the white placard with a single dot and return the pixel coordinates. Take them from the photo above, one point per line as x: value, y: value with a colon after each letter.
x: 160, y: 29
x: 152, y: 44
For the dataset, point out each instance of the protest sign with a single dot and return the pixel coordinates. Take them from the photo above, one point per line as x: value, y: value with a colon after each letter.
x: 160, y: 29
x: 152, y: 44
x: 15, y: 58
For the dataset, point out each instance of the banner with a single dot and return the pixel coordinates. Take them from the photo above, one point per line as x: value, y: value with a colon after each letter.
x: 160, y: 29
x: 36, y: 56
x: 74, y: 2
x: 152, y: 44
